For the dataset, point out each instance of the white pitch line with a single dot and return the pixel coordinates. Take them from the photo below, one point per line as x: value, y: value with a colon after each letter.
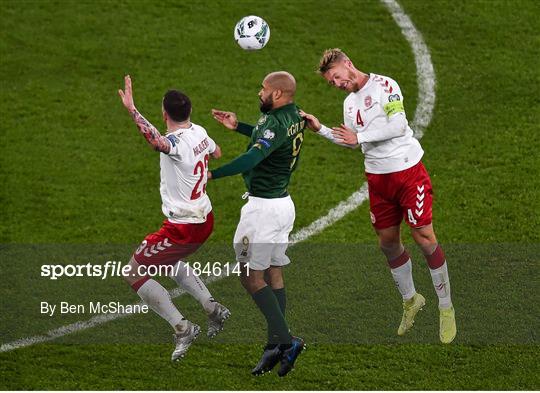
x: 335, y: 214
x: 425, y: 73
x: 426, y: 102
x: 84, y: 325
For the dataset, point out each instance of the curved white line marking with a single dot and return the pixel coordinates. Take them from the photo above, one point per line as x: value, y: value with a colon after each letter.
x: 422, y: 117
x: 333, y: 215
x: 425, y: 74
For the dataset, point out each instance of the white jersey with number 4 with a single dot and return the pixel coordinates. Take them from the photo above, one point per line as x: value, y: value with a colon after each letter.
x: 376, y: 114
x: 368, y: 111
x: 184, y: 175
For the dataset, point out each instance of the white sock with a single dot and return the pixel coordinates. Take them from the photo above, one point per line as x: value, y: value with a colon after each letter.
x: 404, y: 280
x: 184, y: 277
x: 159, y: 300
x: 441, y: 283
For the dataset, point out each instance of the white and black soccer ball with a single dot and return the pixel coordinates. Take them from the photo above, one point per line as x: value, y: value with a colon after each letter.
x: 252, y: 33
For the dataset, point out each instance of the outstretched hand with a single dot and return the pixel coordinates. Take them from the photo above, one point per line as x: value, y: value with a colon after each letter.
x: 312, y: 122
x: 345, y: 135
x: 228, y: 119
x: 127, y: 94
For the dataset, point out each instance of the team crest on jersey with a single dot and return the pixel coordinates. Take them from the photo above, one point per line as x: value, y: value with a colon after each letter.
x: 394, y: 97
x: 349, y: 110
x: 368, y: 101
x: 269, y: 134
x: 245, y: 246
x: 262, y: 119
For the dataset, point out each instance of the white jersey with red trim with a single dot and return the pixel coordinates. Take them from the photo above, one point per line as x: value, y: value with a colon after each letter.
x: 184, y: 175
x: 377, y: 114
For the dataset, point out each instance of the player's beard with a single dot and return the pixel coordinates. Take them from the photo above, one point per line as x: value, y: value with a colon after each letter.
x: 267, y: 104
x: 353, y: 84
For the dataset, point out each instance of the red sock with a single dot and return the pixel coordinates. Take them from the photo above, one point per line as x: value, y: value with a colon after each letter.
x: 437, y: 259
x: 399, y: 261
x: 139, y: 283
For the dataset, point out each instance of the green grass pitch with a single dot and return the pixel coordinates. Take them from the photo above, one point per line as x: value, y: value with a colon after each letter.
x: 77, y: 177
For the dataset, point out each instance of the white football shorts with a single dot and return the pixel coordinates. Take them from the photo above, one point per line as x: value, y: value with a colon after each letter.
x: 262, y: 235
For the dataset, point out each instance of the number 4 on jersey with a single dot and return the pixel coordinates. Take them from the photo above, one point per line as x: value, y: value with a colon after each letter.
x: 359, y: 120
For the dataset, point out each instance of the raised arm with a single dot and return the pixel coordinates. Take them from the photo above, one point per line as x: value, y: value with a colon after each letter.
x: 229, y: 120
x: 152, y: 135
x: 320, y: 129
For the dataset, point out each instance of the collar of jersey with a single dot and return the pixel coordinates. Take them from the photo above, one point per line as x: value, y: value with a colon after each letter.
x: 364, y: 88
x: 280, y: 108
x: 179, y: 129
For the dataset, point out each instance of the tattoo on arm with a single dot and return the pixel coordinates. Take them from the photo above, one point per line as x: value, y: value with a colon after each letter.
x: 152, y: 135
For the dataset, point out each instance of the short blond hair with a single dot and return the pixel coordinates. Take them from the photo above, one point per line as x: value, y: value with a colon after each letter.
x: 329, y: 58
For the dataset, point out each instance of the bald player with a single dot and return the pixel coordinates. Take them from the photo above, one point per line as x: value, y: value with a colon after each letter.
x: 267, y: 218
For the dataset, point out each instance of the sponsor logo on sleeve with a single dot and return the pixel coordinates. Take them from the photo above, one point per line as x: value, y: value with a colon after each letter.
x: 263, y: 142
x: 173, y: 139
x: 394, y: 97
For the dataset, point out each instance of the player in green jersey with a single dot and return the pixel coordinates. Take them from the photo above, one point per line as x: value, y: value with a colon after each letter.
x: 262, y: 235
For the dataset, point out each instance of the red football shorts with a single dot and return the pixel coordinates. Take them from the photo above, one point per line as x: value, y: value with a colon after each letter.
x: 173, y: 242
x: 400, y: 195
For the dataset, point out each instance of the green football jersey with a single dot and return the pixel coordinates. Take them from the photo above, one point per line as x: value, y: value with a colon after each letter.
x: 279, y: 135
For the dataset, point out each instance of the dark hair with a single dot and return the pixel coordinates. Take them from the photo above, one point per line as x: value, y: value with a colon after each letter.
x: 177, y: 105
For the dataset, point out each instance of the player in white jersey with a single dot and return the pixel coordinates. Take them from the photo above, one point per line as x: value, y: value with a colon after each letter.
x: 399, y: 185
x: 185, y: 150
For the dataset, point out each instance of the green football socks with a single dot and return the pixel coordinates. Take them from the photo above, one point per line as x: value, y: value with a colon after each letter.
x: 278, y: 331
x: 281, y: 297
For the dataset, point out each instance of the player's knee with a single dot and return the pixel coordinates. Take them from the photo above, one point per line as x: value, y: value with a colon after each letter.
x: 274, y: 277
x: 252, y: 286
x: 277, y: 282
x: 252, y: 282
x: 390, y: 246
x: 127, y: 279
x: 132, y: 275
x: 424, y: 236
x: 425, y: 239
x: 392, y: 251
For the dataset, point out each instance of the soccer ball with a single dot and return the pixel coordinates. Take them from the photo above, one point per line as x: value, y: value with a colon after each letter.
x: 252, y: 33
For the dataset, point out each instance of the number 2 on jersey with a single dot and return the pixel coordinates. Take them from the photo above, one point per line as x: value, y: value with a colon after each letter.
x: 200, y: 169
